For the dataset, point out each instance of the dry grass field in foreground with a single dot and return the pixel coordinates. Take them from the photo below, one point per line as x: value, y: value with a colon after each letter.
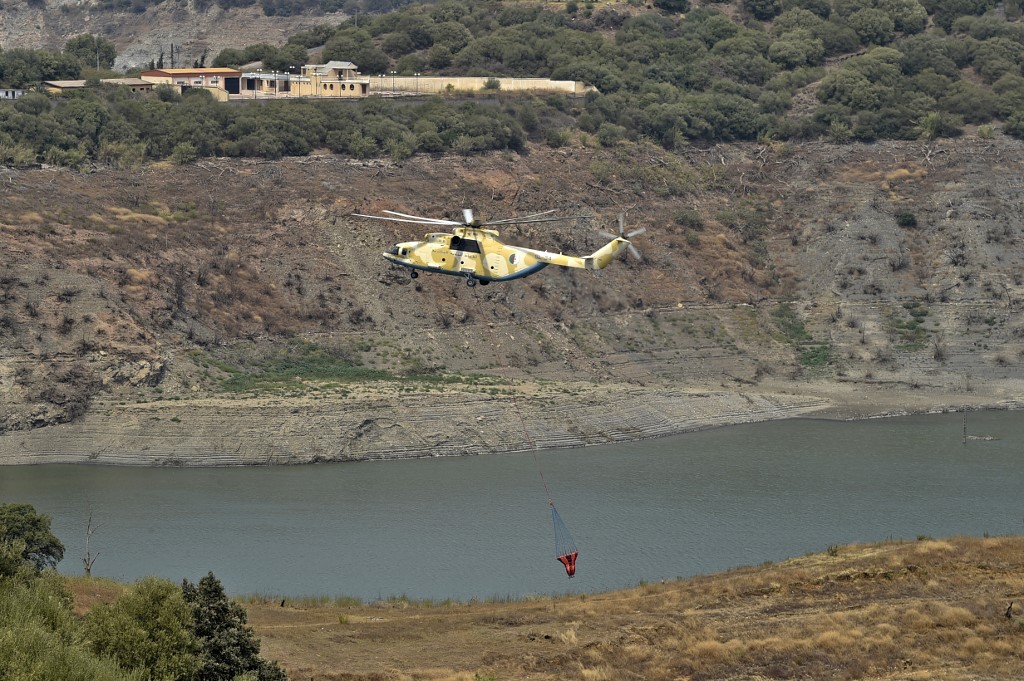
x: 925, y: 610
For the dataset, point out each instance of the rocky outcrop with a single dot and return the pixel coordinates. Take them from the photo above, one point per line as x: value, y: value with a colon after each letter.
x: 142, y: 36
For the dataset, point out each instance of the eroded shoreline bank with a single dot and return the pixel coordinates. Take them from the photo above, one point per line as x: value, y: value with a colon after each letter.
x: 216, y: 431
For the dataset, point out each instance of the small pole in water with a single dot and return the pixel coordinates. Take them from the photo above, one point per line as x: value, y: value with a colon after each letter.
x: 965, y: 427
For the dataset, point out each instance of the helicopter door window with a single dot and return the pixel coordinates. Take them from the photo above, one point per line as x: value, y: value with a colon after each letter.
x: 466, y: 245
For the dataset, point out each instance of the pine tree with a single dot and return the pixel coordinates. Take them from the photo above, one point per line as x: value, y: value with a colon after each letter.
x: 230, y: 648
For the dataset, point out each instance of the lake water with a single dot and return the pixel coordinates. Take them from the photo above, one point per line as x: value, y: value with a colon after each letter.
x: 480, y: 527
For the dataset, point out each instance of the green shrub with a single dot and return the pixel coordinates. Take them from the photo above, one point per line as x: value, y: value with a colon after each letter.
x: 1015, y: 125
x: 689, y: 218
x: 610, y: 134
x: 39, y: 636
x: 557, y: 137
x: 906, y: 219
x: 148, y: 628
x: 817, y: 356
x: 791, y: 326
x: 184, y: 153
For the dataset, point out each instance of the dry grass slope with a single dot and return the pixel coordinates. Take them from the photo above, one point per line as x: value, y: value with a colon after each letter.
x: 927, y: 610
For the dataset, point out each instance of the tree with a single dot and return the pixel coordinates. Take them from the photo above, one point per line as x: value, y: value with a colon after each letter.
x: 229, y: 648
x: 92, y: 51
x: 397, y: 44
x: 1015, y: 125
x: 1010, y: 92
x: 797, y: 48
x: 355, y: 45
x: 148, y: 628
x: 673, y: 6
x: 763, y: 9
x: 21, y: 67
x: 945, y: 12
x: 873, y: 26
x: 849, y: 88
x: 288, y: 57
x: 823, y: 8
x: 439, y: 57
x: 974, y: 103
x: 451, y: 34
x: 907, y: 15
x: 933, y: 125
x: 996, y: 57
x: 928, y: 51
x: 796, y: 19
x: 229, y: 57
x: 184, y: 153
x: 20, y: 523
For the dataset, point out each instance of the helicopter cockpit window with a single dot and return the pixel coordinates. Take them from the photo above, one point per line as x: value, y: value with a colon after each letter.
x: 465, y: 245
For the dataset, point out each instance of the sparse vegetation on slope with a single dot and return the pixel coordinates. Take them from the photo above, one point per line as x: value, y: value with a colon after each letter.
x: 163, y: 285
x: 924, y: 610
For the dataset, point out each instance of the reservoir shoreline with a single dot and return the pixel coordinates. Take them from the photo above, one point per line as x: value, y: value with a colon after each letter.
x: 377, y: 425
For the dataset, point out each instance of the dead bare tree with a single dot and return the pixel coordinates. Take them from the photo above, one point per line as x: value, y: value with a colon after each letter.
x: 88, y: 559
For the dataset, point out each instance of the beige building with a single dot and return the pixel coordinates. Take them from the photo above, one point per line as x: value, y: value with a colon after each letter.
x: 333, y: 79
x: 58, y: 86
x: 228, y: 80
x: 134, y: 84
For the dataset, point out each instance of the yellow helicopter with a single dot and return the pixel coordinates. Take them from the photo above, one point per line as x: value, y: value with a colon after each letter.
x: 475, y: 252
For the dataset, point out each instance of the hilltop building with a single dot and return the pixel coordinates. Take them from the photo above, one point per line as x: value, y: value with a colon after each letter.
x: 333, y: 79
x: 228, y: 80
x: 134, y: 84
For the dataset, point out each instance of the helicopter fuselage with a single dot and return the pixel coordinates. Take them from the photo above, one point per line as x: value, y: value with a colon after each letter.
x: 478, y: 254
x: 470, y: 252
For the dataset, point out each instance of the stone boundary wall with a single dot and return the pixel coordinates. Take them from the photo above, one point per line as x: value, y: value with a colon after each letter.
x: 435, y: 84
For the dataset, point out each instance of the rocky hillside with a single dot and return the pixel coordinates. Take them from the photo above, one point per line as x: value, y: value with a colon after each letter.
x: 141, y: 37
x: 235, y: 311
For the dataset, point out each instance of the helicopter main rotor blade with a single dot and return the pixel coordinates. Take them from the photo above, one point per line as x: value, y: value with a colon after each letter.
x: 636, y: 232
x: 521, y: 217
x: 520, y: 221
x: 633, y: 252
x: 423, y: 219
x: 416, y: 222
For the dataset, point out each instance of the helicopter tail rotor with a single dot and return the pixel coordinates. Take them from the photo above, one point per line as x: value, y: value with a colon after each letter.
x: 626, y: 236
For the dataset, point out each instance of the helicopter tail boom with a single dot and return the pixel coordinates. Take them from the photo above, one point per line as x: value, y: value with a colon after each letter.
x: 598, y: 260
x: 604, y: 255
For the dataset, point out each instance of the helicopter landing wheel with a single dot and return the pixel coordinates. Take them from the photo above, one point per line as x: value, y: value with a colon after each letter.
x: 470, y: 282
x: 413, y: 274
